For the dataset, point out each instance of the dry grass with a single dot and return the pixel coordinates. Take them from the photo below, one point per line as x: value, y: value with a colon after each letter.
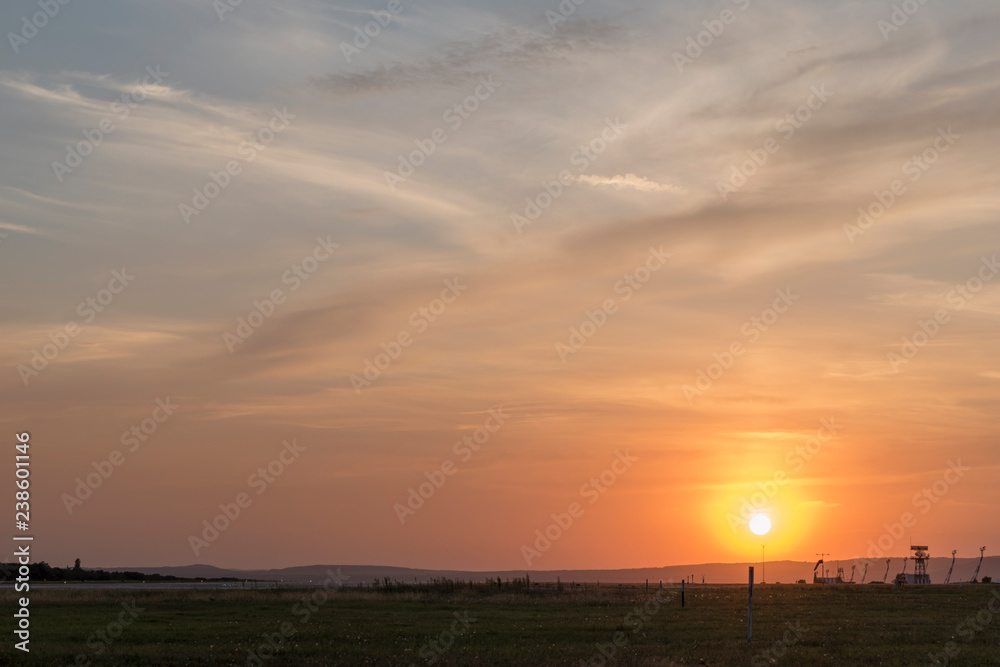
x: 841, y: 625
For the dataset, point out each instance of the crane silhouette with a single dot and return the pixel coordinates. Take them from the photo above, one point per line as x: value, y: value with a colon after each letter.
x: 950, y: 569
x: 975, y: 576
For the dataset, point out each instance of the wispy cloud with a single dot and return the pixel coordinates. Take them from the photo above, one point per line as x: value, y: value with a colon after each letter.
x: 630, y: 182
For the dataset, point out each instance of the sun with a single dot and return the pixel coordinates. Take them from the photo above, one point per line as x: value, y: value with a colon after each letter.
x: 760, y: 524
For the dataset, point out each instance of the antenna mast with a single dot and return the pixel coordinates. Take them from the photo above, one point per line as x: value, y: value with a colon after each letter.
x: 821, y: 561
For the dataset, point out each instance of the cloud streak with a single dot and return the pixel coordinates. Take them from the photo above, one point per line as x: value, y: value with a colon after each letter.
x: 631, y: 182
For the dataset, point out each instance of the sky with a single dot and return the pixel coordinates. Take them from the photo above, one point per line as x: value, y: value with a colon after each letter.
x: 500, y: 285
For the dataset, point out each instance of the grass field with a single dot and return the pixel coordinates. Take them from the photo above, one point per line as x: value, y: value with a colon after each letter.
x: 793, y: 625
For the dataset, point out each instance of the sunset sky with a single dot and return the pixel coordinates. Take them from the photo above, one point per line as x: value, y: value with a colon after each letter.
x: 633, y: 246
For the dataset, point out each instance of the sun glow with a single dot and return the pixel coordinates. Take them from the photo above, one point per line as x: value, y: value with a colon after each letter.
x: 760, y: 524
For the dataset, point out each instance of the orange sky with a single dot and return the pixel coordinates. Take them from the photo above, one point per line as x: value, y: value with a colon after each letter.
x: 640, y: 264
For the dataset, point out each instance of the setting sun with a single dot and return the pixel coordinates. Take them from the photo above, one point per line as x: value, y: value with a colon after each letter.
x: 760, y: 524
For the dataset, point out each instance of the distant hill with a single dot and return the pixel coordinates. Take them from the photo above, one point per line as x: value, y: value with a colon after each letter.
x: 42, y: 571
x: 715, y: 573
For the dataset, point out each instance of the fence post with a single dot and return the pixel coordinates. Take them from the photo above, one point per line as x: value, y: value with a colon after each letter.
x: 750, y: 608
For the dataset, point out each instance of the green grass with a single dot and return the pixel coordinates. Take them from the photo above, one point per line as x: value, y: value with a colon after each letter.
x: 840, y: 625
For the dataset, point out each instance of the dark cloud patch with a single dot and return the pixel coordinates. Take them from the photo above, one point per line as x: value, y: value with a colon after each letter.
x: 461, y: 62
